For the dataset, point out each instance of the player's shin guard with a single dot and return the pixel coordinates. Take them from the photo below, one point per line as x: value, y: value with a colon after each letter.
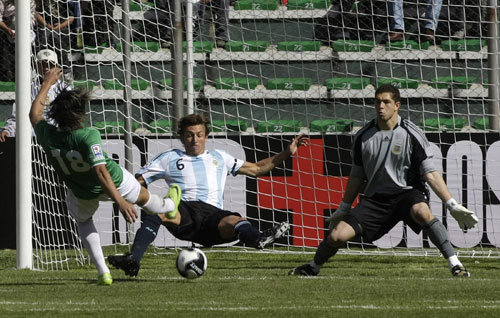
x: 439, y: 236
x: 145, y: 235
x: 246, y: 233
x: 324, y: 252
x: 158, y: 205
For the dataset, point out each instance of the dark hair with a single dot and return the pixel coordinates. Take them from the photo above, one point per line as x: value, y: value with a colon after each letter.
x: 68, y: 109
x: 193, y: 120
x: 388, y: 88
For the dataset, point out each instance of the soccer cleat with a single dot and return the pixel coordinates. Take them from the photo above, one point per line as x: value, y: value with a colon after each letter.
x: 460, y: 271
x: 105, y: 279
x: 269, y: 236
x: 175, y: 194
x: 304, y: 270
x: 126, y: 263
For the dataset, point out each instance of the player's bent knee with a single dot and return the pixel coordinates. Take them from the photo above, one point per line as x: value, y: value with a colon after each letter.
x: 341, y: 234
x: 421, y: 213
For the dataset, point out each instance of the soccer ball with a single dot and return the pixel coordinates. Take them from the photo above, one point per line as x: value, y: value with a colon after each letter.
x: 191, y: 263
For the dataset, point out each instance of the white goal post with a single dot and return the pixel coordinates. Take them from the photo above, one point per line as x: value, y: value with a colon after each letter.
x: 264, y: 71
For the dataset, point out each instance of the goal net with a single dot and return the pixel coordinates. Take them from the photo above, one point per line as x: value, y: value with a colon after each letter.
x: 265, y: 71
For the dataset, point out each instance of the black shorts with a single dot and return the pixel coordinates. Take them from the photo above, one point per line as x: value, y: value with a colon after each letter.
x: 199, y: 223
x: 373, y: 217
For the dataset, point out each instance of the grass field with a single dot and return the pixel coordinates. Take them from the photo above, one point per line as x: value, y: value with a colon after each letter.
x: 257, y: 285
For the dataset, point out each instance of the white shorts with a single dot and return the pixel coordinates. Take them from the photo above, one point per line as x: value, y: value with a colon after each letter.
x: 82, y: 210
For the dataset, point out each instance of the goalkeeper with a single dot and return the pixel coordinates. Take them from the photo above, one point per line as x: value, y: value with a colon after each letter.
x: 392, y: 161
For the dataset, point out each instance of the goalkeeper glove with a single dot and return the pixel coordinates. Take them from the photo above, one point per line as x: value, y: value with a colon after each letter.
x: 466, y: 218
x: 338, y: 215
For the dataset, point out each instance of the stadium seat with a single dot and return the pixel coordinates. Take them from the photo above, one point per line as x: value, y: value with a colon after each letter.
x: 199, y: 46
x: 460, y: 82
x: 141, y: 6
x: 299, y: 46
x: 138, y: 85
x: 300, y: 84
x: 474, y: 45
x: 141, y: 47
x: 229, y: 125
x: 481, y: 123
x: 331, y: 125
x: 347, y: 83
x: 7, y: 87
x: 236, y: 83
x: 166, y: 84
x: 406, y: 45
x: 161, y: 126
x: 437, y: 124
x: 279, y: 126
x: 89, y: 49
x: 256, y: 5
x: 110, y: 127
x: 246, y: 46
x: 307, y: 4
x: 401, y: 83
x: 353, y: 45
x: 2, y: 123
x: 84, y: 84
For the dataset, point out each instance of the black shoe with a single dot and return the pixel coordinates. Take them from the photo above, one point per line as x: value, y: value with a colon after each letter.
x: 304, y: 270
x: 125, y: 262
x: 460, y: 271
x: 269, y: 236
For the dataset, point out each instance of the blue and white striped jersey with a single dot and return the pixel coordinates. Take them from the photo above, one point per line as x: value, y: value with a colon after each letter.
x: 201, y: 178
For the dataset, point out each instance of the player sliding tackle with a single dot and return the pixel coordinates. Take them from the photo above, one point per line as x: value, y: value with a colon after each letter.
x: 392, y: 161
x: 76, y: 155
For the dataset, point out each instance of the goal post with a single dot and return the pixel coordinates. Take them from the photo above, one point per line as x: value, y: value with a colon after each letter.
x: 277, y: 69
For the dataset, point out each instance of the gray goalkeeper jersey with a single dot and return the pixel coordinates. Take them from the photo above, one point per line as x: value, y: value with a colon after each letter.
x: 391, y: 161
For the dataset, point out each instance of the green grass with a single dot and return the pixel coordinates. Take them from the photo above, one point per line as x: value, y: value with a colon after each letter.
x: 257, y: 285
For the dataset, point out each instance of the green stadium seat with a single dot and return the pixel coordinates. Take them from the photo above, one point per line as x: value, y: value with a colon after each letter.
x: 2, y: 123
x: 460, y: 82
x: 256, y: 5
x: 279, y: 126
x: 229, y: 125
x: 141, y: 47
x: 166, y: 84
x: 138, y: 85
x: 331, y: 125
x: 481, y: 123
x: 246, y: 46
x: 299, y: 84
x: 401, y: 83
x: 7, y: 87
x: 236, y: 83
x: 299, y: 46
x: 161, y: 126
x: 84, y: 84
x: 307, y: 4
x: 110, y: 127
x: 473, y: 45
x: 96, y: 49
x: 141, y: 6
x: 353, y: 45
x: 437, y: 124
x: 199, y: 47
x: 347, y: 83
x: 406, y: 45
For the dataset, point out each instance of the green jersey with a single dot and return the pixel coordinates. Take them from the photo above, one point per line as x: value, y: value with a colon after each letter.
x: 73, y: 154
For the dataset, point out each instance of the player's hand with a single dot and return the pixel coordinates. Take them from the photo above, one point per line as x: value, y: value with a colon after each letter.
x: 3, y: 134
x: 51, y: 76
x: 338, y: 215
x: 297, y: 142
x: 128, y: 211
x: 466, y: 218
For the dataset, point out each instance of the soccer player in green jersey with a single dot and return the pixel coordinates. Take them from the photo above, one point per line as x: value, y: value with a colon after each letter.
x: 75, y: 152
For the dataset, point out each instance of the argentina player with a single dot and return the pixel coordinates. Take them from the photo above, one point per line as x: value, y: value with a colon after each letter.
x: 201, y: 176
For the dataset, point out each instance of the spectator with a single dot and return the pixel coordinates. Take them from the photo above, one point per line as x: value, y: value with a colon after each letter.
x: 46, y: 60
x: 465, y: 19
x: 432, y: 12
x: 220, y: 18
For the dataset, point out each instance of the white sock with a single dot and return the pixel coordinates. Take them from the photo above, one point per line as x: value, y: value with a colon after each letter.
x: 453, y: 260
x: 315, y: 266
x: 158, y: 205
x: 92, y: 243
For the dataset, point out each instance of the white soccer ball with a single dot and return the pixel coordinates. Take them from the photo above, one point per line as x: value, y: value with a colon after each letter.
x: 191, y: 263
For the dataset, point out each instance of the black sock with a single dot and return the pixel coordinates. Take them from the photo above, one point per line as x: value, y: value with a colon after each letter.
x: 145, y: 235
x: 246, y: 233
x: 324, y: 252
x: 439, y: 236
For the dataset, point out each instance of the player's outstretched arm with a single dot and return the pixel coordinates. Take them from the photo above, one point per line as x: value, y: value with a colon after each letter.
x: 263, y: 167
x: 36, y: 112
x: 104, y: 178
